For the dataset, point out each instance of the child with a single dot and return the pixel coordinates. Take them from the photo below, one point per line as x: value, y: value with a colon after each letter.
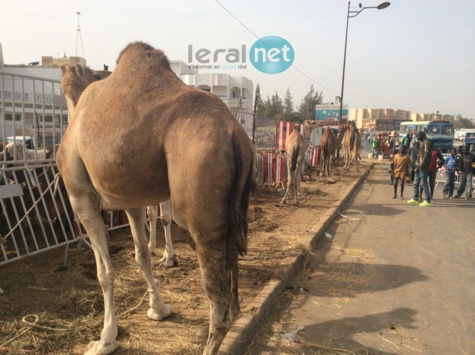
x: 401, y: 163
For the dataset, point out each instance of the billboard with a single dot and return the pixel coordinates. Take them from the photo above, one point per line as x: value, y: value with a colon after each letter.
x: 330, y: 113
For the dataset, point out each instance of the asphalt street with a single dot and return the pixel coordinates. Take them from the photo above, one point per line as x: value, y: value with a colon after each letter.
x: 392, y: 279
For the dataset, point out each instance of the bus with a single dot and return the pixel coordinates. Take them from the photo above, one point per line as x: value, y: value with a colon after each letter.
x: 441, y: 132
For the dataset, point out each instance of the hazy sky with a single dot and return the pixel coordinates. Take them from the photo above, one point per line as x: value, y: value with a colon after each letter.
x: 416, y: 55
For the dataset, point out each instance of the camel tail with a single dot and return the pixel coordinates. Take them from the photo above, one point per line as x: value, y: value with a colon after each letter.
x: 294, y: 158
x: 352, y: 140
x: 240, y: 193
x: 326, y: 150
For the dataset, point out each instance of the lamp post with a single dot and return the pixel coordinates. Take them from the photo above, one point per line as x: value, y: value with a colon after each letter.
x: 353, y: 13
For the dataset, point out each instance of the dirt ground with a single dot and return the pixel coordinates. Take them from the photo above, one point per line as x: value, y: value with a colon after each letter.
x: 48, y: 309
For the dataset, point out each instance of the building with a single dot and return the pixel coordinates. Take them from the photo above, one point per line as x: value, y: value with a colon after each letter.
x: 416, y: 117
x: 372, y: 120
x: 387, y: 120
x: 32, y: 103
x: 236, y: 92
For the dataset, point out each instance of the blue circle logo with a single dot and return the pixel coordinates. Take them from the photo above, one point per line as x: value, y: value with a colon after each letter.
x: 272, y: 55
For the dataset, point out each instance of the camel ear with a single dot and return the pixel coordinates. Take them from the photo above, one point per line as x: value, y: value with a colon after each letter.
x: 80, y: 69
x: 63, y: 69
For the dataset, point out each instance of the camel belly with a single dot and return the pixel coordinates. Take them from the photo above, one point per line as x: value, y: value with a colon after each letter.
x: 129, y: 185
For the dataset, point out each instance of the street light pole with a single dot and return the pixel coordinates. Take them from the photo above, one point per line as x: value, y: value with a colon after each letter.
x: 353, y: 13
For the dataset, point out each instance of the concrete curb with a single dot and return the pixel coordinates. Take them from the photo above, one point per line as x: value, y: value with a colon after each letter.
x: 241, y: 333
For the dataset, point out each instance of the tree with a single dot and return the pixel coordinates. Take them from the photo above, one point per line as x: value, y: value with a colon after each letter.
x: 307, y: 106
x: 288, y: 103
x: 259, y: 104
x: 277, y: 106
x: 461, y: 122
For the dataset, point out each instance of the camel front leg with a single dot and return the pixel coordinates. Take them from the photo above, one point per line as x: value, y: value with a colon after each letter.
x: 158, y: 309
x: 152, y: 214
x: 168, y: 259
x: 86, y: 206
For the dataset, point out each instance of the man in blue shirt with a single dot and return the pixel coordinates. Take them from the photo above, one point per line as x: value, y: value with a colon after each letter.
x: 450, y: 166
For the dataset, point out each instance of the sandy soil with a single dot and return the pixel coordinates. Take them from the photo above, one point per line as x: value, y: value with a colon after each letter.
x: 48, y: 309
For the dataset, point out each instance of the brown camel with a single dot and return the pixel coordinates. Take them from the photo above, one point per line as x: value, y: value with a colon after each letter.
x: 327, y: 147
x: 351, y: 144
x: 295, y: 147
x: 140, y: 137
x: 74, y: 81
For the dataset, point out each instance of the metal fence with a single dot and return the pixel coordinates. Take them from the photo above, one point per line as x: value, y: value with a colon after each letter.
x: 260, y: 129
x: 34, y: 219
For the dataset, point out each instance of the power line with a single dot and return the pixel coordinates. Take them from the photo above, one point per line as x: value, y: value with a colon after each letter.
x: 255, y: 35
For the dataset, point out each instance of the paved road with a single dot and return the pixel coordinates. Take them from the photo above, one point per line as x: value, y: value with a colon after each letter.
x: 394, y: 279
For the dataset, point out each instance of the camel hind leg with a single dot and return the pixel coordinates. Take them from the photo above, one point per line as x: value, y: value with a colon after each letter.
x: 220, y: 283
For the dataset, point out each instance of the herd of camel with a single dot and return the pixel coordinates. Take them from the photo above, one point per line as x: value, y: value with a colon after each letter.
x: 298, y: 142
x: 141, y: 137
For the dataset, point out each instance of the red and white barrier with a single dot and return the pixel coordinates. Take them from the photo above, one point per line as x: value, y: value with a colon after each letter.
x: 314, y: 156
x: 271, y: 169
x: 283, y: 129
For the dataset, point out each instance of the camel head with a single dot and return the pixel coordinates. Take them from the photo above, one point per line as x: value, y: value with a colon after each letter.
x: 76, y: 78
x: 309, y: 125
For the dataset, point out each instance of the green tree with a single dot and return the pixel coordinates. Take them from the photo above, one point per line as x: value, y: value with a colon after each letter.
x: 307, y: 106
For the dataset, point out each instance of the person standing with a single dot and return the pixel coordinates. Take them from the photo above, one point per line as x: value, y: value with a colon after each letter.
x: 421, y: 171
x: 401, y: 163
x: 436, y: 161
x: 413, y: 154
x: 406, y: 141
x: 450, y: 165
x: 466, y: 170
x: 374, y: 145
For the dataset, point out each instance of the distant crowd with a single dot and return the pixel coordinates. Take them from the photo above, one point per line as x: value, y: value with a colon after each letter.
x: 415, y: 160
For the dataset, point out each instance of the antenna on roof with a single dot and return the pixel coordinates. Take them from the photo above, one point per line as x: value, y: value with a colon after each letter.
x: 79, y: 36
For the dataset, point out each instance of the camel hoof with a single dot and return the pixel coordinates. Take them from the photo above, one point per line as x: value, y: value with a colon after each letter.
x: 100, y: 347
x: 168, y: 262
x: 154, y: 315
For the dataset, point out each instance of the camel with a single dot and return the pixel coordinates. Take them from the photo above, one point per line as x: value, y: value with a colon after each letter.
x: 328, y: 146
x: 295, y: 147
x: 74, y: 81
x: 140, y: 137
x: 342, y: 128
x: 18, y: 151
x: 351, y: 144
